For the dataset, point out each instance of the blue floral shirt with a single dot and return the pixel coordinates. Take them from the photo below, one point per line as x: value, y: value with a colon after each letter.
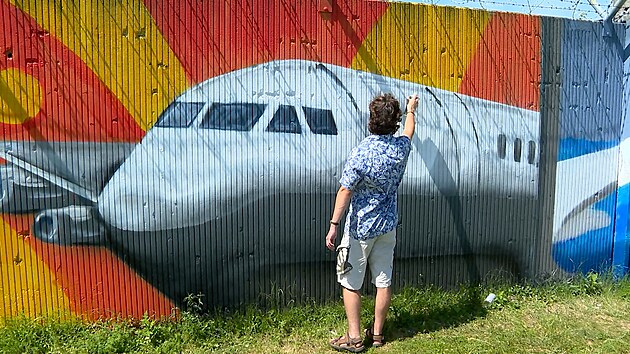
x: 373, y: 173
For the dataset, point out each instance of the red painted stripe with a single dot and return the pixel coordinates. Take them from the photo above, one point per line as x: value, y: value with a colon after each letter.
x: 506, y: 66
x: 97, y: 283
x: 76, y: 105
x: 214, y: 37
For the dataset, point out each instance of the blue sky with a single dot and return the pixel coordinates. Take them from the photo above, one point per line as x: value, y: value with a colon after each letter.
x: 580, y: 9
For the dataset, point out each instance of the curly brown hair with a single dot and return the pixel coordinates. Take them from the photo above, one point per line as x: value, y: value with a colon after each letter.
x: 385, y: 115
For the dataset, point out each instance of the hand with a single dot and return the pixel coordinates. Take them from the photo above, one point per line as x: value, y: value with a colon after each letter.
x: 412, y: 103
x: 330, y: 238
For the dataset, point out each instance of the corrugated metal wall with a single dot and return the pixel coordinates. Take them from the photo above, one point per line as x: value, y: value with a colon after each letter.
x: 155, y: 150
x: 590, y: 124
x: 621, y: 243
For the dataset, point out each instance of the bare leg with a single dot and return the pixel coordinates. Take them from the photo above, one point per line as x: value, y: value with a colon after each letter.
x: 383, y: 299
x: 352, y: 304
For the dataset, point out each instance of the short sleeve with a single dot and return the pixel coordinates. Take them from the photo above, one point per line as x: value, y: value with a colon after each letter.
x: 405, y: 144
x: 351, y: 175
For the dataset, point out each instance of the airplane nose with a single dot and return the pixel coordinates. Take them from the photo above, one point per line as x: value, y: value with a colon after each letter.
x: 136, y: 209
x: 139, y: 211
x: 151, y: 193
x: 126, y: 212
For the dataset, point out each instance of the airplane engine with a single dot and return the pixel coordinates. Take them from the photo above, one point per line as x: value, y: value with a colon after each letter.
x: 72, y: 225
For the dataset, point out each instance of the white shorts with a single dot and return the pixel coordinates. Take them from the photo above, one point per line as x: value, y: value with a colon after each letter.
x: 353, y: 256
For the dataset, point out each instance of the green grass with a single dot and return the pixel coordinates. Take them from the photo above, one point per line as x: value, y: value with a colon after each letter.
x: 582, y: 315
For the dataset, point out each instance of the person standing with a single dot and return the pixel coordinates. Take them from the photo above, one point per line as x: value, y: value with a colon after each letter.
x: 369, y: 185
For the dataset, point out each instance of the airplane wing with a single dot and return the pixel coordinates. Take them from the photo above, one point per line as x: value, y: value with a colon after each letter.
x: 26, y: 187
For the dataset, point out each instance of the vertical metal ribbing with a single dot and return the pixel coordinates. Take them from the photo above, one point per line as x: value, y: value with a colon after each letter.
x: 551, y: 83
x: 621, y: 249
x: 258, y: 243
x: 107, y: 294
x: 126, y: 82
x: 123, y: 244
x: 22, y: 246
x: 619, y: 256
x: 589, y: 126
x: 56, y: 112
x: 613, y: 109
x: 31, y: 303
x: 9, y: 54
x: 242, y: 12
x: 69, y: 254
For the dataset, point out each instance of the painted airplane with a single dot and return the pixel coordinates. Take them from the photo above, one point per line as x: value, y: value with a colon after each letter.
x: 287, y: 127
x: 290, y: 125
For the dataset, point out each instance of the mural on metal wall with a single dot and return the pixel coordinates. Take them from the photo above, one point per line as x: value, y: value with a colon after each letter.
x: 163, y: 149
x: 590, y: 131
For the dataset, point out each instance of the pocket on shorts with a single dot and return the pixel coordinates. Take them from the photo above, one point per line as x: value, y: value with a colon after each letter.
x: 343, y: 266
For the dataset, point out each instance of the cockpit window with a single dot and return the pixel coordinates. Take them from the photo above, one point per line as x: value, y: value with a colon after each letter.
x: 320, y: 121
x: 285, y: 120
x: 232, y: 116
x: 179, y: 114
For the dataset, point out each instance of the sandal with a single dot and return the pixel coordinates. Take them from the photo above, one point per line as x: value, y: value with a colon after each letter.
x: 353, y: 345
x: 378, y: 340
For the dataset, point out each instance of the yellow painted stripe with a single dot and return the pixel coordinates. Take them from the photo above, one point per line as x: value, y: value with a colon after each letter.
x: 122, y: 45
x: 430, y: 45
x: 20, y: 96
x: 27, y: 285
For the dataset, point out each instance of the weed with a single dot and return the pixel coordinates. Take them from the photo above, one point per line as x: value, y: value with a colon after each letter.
x: 194, y: 303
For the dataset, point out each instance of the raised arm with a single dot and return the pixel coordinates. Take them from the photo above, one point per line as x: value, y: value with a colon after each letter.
x: 410, y: 116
